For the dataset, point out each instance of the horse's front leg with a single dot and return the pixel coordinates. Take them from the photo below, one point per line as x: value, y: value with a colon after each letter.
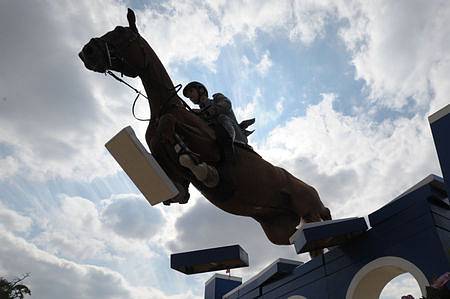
x: 160, y: 140
x: 203, y: 172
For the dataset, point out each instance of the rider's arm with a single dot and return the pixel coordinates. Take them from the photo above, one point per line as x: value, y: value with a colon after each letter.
x: 221, y: 103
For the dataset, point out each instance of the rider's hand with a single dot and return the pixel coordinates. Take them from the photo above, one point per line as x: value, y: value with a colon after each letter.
x: 211, y: 111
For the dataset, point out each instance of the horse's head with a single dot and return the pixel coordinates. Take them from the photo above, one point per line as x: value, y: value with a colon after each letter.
x: 119, y: 50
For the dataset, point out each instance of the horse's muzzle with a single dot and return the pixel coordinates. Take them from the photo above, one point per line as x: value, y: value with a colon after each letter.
x: 93, y: 57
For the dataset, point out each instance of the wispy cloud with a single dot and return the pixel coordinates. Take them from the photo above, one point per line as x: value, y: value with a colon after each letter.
x: 9, y: 166
x: 264, y: 64
x: 391, y: 45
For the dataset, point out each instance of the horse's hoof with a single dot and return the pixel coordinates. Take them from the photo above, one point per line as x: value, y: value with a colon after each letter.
x: 178, y: 199
x: 315, y: 253
x: 181, y: 198
x: 185, y: 199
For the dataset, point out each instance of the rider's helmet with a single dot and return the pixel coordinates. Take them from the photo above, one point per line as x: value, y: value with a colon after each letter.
x: 198, y: 86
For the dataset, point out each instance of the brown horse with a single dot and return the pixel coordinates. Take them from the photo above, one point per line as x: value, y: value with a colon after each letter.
x: 250, y: 186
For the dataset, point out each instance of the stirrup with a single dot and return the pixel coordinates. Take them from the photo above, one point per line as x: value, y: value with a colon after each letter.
x: 182, y: 149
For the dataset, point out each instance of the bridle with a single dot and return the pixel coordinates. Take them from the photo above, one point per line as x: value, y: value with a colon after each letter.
x: 116, y: 53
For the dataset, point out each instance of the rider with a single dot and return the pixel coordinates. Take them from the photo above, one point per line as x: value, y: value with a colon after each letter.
x: 218, y: 113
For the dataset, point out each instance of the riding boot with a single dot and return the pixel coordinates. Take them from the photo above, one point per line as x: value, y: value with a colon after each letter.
x: 229, y: 151
x: 227, y: 135
x: 182, y: 149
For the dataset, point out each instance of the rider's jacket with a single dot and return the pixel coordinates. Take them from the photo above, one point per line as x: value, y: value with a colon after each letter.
x: 218, y: 111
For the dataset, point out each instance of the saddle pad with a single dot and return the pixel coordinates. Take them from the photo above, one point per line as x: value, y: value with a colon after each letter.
x: 141, y: 167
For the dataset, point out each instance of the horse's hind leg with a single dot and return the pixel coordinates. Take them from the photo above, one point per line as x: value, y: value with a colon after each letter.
x: 279, y: 228
x: 308, y: 219
x: 322, y: 215
x: 307, y: 204
x: 325, y: 214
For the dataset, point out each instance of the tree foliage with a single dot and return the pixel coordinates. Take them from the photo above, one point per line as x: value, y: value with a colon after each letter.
x: 13, y: 289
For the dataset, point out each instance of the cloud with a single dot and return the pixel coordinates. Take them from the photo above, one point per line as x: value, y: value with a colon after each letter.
x: 249, y: 109
x: 256, y: 108
x: 129, y: 217
x: 81, y: 231
x: 74, y: 231
x: 279, y: 107
x: 186, y: 33
x: 53, y: 277
x: 398, y: 48
x: 67, y: 113
x: 404, y: 284
x: 264, y: 64
x: 13, y: 221
x: 57, y: 115
x: 260, y: 67
x: 49, y: 112
x: 9, y: 166
x: 309, y: 19
x: 248, y: 17
x: 77, y: 230
x: 350, y: 159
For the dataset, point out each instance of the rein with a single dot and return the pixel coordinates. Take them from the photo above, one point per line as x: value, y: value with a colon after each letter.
x: 110, y: 57
x: 135, y: 90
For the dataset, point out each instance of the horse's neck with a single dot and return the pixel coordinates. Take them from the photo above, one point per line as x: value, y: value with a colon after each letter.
x: 157, y: 83
x: 155, y: 100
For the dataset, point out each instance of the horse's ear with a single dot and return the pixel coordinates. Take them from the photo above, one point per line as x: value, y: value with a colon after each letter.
x: 132, y: 20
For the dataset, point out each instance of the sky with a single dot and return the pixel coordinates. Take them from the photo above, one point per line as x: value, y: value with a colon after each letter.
x: 341, y: 91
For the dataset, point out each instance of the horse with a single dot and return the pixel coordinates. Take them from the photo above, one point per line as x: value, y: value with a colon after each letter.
x: 247, y: 186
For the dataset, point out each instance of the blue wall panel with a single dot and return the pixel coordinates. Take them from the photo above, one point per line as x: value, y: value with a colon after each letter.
x: 441, y: 132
